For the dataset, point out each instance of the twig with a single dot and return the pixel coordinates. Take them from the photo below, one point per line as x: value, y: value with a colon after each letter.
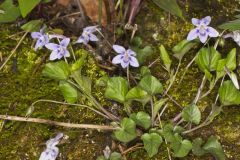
x: 63, y: 124
x: 13, y: 51
x: 137, y: 146
x: 200, y: 90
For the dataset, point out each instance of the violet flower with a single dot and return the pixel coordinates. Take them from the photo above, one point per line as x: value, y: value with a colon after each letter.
x: 88, y: 35
x: 59, y: 50
x: 202, y: 30
x: 125, y: 57
x: 235, y: 35
x: 51, y: 152
x: 41, y: 37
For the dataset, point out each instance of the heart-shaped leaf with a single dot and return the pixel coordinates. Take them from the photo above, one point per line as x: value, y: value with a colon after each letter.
x: 228, y: 94
x: 115, y: 156
x: 231, y: 60
x: 151, y: 143
x: 27, y: 7
x: 56, y: 70
x: 197, y: 147
x: 142, y: 119
x: 117, y: 88
x: 208, y: 58
x: 192, y: 114
x: 32, y: 26
x: 157, y: 106
x: 182, y: 48
x: 69, y: 92
x: 151, y: 85
x: 10, y: 12
x: 138, y: 94
x: 213, y: 147
x: 180, y: 147
x: 127, y: 131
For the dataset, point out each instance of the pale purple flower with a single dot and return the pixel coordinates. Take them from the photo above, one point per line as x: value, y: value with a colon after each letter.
x: 88, y: 35
x: 58, y: 36
x: 202, y: 30
x: 59, y: 50
x: 125, y: 57
x: 235, y: 35
x: 41, y: 37
x: 51, y: 152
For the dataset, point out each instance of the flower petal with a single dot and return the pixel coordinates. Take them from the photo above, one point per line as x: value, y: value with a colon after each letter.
x: 195, y: 21
x: 90, y: 29
x: 56, y: 36
x: 36, y: 35
x: 117, y: 59
x: 92, y: 37
x: 134, y: 62
x: 193, y: 34
x: 66, y: 53
x: 131, y: 52
x: 212, y: 32
x: 54, y: 55
x: 119, y: 49
x: 65, y: 42
x: 124, y: 64
x: 205, y: 21
x: 203, y: 37
x: 52, y: 46
x: 39, y: 44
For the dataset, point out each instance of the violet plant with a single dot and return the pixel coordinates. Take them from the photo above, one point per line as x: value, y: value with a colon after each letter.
x: 87, y: 35
x: 149, y: 125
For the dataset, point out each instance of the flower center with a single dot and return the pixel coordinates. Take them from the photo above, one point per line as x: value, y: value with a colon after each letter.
x: 126, y: 57
x: 202, y: 29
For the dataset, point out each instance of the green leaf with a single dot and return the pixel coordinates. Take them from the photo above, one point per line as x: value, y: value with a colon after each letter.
x: 127, y: 132
x: 197, y: 147
x: 143, y: 54
x: 115, y: 156
x: 231, y: 60
x: 180, y: 147
x: 169, y: 6
x: 145, y: 71
x: 10, y: 12
x: 117, y: 88
x: 182, y: 48
x: 213, y: 147
x: 142, y: 119
x: 158, y: 105
x: 208, y: 58
x: 138, y: 94
x: 101, y: 158
x: 84, y: 83
x: 232, y: 25
x: 27, y: 7
x: 165, y: 57
x: 136, y: 42
x: 79, y: 63
x: 168, y: 133
x: 56, y: 70
x: 228, y: 94
x: 102, y: 81
x: 151, y: 143
x: 69, y: 92
x: 151, y: 85
x: 192, y: 114
x: 32, y: 26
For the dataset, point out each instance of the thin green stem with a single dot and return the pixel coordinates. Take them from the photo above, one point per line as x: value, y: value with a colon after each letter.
x: 70, y: 104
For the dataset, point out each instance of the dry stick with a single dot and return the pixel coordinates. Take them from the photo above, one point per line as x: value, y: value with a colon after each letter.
x: 50, y: 122
x: 13, y: 51
x: 174, y: 101
x: 137, y: 146
x: 200, y: 90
